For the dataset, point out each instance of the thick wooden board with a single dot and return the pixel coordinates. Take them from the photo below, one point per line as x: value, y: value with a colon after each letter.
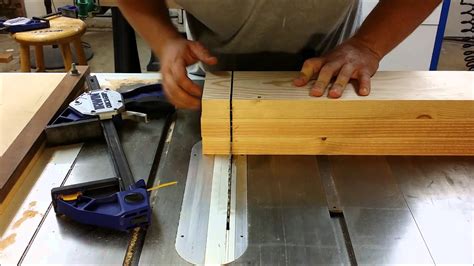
x: 28, y: 102
x: 395, y: 95
x: 407, y: 113
x: 215, y: 119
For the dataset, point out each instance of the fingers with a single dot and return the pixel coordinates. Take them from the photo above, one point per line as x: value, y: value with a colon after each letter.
x: 310, y: 67
x: 181, y: 78
x: 344, y: 75
x: 324, y: 78
x: 202, y: 54
x: 176, y: 95
x: 364, y: 84
x: 343, y: 78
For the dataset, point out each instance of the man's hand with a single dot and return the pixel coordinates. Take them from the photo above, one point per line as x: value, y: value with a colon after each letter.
x: 350, y: 60
x: 175, y: 53
x: 175, y: 56
x: 358, y: 58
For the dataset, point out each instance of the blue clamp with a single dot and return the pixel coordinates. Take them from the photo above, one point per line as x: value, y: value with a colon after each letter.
x: 95, y: 204
x: 116, y: 203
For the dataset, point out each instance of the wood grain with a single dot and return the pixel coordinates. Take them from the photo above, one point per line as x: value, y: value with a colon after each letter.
x: 390, y: 85
x: 397, y: 95
x: 20, y: 100
x: 407, y: 113
x: 349, y: 128
x: 28, y: 103
x: 353, y: 146
x: 215, y: 111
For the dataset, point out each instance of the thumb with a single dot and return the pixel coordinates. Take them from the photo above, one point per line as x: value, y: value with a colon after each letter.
x: 202, y: 54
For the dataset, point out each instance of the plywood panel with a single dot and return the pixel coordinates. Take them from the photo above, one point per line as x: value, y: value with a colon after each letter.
x: 28, y: 101
x: 21, y: 95
x: 412, y: 113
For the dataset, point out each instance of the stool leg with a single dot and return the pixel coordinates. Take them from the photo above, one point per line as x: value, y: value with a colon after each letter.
x: 81, y: 56
x: 25, y: 58
x: 39, y: 58
x: 67, y: 56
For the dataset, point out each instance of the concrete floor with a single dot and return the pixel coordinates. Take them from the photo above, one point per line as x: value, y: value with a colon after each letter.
x: 452, y: 57
x: 100, y: 38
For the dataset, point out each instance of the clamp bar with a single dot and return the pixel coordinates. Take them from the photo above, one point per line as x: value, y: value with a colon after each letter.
x: 119, y: 160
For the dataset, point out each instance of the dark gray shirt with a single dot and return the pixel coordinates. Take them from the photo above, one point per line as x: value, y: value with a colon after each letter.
x: 243, y: 33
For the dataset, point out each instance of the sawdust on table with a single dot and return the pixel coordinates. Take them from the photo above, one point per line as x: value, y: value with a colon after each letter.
x: 26, y: 215
x: 115, y: 84
x: 32, y: 204
x: 8, y: 241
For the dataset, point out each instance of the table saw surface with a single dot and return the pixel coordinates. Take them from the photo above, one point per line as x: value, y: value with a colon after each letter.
x: 395, y: 209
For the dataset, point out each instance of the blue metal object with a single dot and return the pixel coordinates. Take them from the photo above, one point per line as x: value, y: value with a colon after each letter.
x: 68, y: 11
x: 23, y: 24
x: 117, y: 203
x: 122, y: 210
x: 70, y: 115
x: 149, y: 99
x: 443, y: 20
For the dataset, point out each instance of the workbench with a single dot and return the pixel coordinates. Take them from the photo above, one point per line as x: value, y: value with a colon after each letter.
x: 395, y: 209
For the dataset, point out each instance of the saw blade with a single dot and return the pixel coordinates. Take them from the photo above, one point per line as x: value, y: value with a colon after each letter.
x: 229, y: 189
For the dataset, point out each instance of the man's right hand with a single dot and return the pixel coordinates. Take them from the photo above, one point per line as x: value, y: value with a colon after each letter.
x: 175, y: 55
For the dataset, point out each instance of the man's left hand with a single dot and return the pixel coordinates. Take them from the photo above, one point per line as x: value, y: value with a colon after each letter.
x: 352, y: 59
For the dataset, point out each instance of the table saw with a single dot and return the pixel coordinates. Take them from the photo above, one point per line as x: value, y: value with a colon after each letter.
x: 393, y: 209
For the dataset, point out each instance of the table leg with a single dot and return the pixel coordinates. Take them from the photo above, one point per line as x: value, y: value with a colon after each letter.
x: 125, y: 45
x: 81, y: 56
x: 39, y: 58
x: 67, y: 55
x: 25, y: 58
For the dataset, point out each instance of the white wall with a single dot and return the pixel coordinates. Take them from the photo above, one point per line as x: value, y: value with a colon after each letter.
x: 416, y: 51
x: 453, y: 28
x: 35, y: 8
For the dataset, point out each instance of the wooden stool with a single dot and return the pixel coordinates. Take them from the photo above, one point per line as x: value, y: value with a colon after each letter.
x: 62, y: 31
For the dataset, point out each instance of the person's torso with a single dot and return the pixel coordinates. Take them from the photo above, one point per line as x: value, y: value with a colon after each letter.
x: 252, y: 26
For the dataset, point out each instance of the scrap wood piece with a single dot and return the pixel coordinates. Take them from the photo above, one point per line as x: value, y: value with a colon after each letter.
x: 407, y: 113
x: 6, y: 57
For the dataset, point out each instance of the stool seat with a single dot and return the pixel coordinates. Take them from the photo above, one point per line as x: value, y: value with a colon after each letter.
x: 62, y: 31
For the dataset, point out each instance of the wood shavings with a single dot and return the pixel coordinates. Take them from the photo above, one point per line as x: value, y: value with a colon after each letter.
x: 6, y: 242
x: 26, y: 215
